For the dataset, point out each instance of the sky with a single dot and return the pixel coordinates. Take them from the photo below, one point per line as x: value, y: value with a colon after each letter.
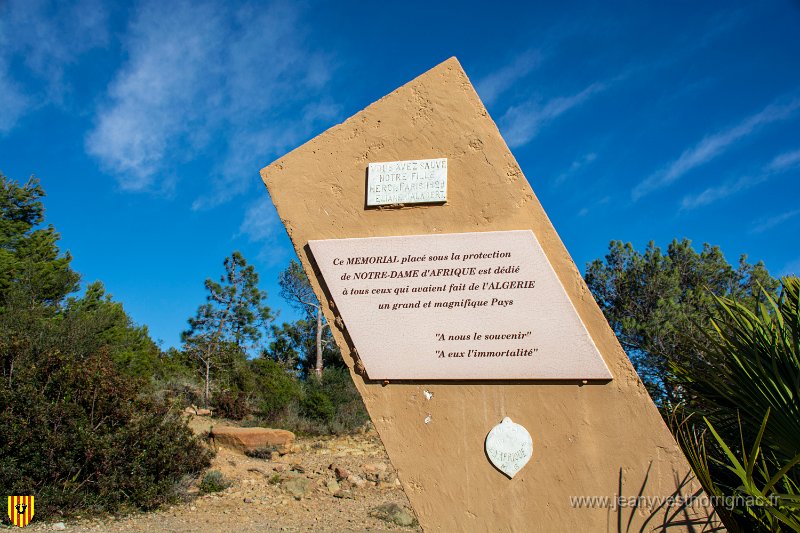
x: 147, y: 122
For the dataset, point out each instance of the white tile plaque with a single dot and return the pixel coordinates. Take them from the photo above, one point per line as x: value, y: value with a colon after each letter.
x: 407, y: 182
x: 509, y: 447
x: 457, y: 306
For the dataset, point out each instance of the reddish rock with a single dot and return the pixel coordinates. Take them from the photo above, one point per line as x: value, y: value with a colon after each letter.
x: 341, y: 473
x: 249, y: 439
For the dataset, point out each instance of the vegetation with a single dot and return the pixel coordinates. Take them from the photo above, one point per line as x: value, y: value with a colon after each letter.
x: 719, y: 351
x: 746, y: 448
x: 90, y: 405
x: 296, y: 289
x: 75, y: 429
x: 214, y: 481
x: 658, y: 305
x: 231, y: 320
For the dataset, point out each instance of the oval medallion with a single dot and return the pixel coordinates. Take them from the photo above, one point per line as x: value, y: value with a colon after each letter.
x: 509, y: 447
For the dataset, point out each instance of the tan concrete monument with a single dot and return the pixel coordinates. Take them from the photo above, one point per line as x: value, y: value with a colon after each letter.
x: 501, y: 394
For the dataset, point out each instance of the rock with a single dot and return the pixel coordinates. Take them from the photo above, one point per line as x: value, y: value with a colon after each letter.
x: 374, y: 468
x: 298, y: 468
x: 58, y: 526
x: 250, y: 439
x: 344, y: 494
x: 279, y: 467
x: 356, y: 481
x: 247, y: 500
x: 392, y: 512
x: 203, y: 412
x: 297, y: 487
x: 341, y: 473
x: 332, y: 486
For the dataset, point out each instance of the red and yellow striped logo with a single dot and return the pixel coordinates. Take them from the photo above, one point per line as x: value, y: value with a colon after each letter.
x: 20, y: 510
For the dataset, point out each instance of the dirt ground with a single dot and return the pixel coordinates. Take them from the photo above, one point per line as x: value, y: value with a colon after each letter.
x: 265, y: 495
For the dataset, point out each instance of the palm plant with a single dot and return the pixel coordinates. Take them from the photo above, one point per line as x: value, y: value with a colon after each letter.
x: 747, y: 449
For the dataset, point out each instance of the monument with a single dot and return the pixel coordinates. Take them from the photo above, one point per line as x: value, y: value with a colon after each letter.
x: 500, y: 393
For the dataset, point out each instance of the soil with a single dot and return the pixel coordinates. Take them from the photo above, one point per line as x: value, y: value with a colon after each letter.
x: 260, y: 497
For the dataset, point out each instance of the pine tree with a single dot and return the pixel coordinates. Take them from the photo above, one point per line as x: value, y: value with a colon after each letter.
x: 234, y: 317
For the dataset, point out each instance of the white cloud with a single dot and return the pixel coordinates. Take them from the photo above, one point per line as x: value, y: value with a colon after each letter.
x: 780, y: 164
x: 713, y: 146
x: 714, y: 194
x: 201, y: 76
x: 520, y: 124
x: 765, y: 224
x: 43, y: 38
x: 495, y: 84
x: 261, y: 224
x: 575, y: 167
x: 785, y: 161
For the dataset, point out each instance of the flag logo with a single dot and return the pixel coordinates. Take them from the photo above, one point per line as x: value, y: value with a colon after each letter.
x: 20, y: 510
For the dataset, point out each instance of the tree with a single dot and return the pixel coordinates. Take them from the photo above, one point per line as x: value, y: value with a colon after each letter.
x: 234, y: 316
x: 75, y: 430
x: 34, y: 276
x: 657, y: 303
x: 296, y: 289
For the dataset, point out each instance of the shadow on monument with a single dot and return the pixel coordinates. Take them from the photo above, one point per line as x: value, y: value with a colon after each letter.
x: 672, y: 512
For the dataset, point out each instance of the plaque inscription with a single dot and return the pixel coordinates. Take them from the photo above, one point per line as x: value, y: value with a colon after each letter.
x: 457, y: 306
x: 407, y: 182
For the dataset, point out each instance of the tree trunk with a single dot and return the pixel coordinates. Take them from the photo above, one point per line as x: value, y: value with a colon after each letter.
x: 318, y: 367
x: 208, y: 380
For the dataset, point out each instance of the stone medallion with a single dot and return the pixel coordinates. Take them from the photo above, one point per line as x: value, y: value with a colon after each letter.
x: 509, y: 447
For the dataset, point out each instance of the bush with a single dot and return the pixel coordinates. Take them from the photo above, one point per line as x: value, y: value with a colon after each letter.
x: 79, y: 436
x: 230, y: 404
x: 276, y: 390
x: 329, y: 406
x: 214, y: 481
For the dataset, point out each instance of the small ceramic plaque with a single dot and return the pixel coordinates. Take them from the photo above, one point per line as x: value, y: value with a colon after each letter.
x: 418, y: 181
x: 509, y: 447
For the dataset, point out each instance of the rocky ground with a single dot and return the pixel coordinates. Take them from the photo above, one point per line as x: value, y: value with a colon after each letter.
x: 326, y: 484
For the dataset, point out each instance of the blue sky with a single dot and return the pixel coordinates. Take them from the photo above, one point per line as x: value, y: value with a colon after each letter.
x: 147, y: 122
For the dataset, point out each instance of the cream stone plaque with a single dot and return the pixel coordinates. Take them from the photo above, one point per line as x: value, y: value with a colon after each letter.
x: 457, y: 306
x: 509, y: 447
x: 407, y: 182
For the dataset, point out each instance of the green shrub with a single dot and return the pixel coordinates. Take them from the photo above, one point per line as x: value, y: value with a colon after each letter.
x: 276, y: 389
x: 78, y: 435
x: 316, y: 405
x: 214, y: 481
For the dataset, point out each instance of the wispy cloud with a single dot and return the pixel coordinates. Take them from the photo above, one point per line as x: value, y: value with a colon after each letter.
x: 520, y: 124
x: 713, y: 146
x: 791, y: 268
x: 575, y: 167
x: 201, y: 74
x: 780, y: 164
x: 767, y: 223
x: 262, y: 225
x: 714, y: 194
x: 785, y: 162
x: 42, y: 38
x: 496, y: 83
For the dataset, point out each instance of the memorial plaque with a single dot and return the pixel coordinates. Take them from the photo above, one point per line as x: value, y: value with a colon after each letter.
x: 458, y: 306
x: 407, y: 182
x: 509, y: 447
